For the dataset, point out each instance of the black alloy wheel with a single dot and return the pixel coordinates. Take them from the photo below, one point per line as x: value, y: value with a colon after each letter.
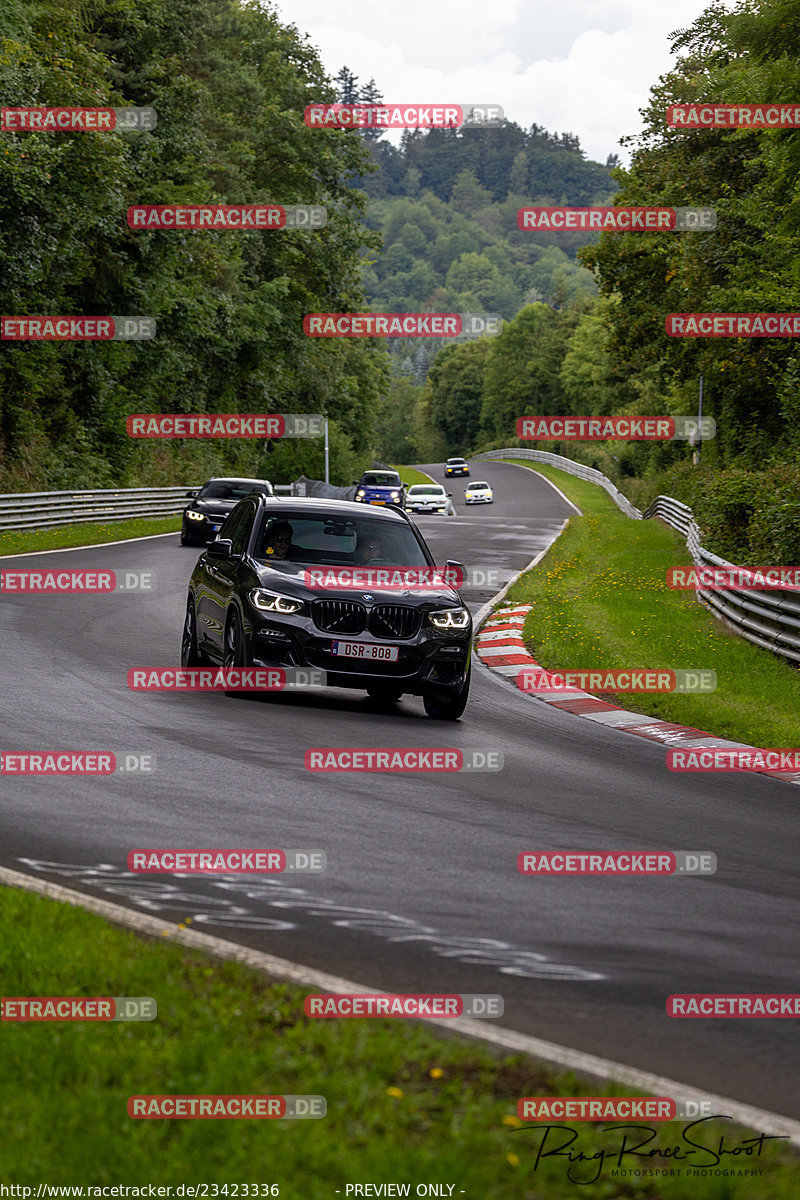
x: 190, y: 654
x: 448, y: 708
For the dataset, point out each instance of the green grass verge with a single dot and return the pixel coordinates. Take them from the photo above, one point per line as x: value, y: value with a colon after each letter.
x: 22, y: 541
x: 600, y: 600
x: 404, y: 1104
x: 411, y: 475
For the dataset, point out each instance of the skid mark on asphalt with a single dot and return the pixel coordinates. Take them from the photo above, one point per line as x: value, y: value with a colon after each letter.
x: 223, y: 910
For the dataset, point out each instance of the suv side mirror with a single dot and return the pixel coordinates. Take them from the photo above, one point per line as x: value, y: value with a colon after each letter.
x: 356, y: 482
x: 455, y: 573
x: 221, y: 548
x: 193, y: 492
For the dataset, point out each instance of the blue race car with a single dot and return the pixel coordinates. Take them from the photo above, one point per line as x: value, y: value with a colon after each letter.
x: 381, y: 487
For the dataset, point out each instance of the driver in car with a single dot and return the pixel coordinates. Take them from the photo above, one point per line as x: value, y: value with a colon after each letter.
x: 279, y: 540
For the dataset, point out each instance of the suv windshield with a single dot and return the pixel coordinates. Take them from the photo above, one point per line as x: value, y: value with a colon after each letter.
x: 339, y: 540
x: 380, y: 479
x: 230, y: 489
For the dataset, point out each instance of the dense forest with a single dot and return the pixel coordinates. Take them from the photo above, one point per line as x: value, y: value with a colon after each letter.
x: 610, y: 354
x: 229, y: 83
x: 429, y: 225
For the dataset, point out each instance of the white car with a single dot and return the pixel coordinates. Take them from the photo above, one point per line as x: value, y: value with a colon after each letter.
x: 479, y: 492
x: 426, y: 498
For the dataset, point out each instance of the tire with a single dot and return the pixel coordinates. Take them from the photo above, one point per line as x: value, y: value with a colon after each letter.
x: 234, y: 652
x: 383, y: 695
x: 191, y: 656
x: 449, y: 708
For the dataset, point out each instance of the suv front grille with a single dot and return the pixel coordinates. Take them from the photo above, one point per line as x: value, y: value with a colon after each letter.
x: 339, y: 616
x: 394, y: 621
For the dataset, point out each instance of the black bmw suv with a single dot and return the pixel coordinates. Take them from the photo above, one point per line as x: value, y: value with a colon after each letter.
x: 210, y: 505
x: 259, y: 596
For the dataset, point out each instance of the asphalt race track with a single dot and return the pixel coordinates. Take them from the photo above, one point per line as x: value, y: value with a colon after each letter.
x: 422, y: 891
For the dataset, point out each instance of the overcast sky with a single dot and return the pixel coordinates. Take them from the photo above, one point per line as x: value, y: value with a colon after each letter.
x: 573, y: 66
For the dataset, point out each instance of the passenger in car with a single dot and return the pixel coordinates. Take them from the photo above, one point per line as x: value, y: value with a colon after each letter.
x: 369, y: 548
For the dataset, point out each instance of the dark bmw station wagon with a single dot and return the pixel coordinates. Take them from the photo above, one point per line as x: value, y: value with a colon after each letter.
x: 259, y: 597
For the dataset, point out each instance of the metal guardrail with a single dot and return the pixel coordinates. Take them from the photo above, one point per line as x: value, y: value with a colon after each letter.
x: 573, y: 468
x: 770, y: 620
x: 45, y: 510
x: 41, y: 510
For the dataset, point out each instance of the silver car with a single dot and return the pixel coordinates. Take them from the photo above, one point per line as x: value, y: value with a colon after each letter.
x: 427, y: 498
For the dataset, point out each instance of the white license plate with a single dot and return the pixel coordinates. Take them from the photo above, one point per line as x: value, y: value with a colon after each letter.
x: 364, y: 650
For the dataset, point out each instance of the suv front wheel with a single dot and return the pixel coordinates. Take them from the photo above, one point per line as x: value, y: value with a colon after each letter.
x: 448, y: 708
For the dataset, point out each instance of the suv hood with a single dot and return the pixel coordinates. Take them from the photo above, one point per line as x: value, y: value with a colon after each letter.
x: 291, y: 582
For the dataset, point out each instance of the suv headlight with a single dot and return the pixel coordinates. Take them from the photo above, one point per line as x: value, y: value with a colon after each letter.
x: 273, y: 602
x: 450, y: 618
x: 195, y: 516
x: 395, y: 495
x: 360, y: 494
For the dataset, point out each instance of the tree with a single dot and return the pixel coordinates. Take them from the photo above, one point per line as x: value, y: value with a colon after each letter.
x: 229, y: 83
x: 467, y: 195
x: 522, y: 369
x: 347, y: 85
x: 370, y: 93
x: 456, y: 380
x: 395, y: 428
x: 748, y: 264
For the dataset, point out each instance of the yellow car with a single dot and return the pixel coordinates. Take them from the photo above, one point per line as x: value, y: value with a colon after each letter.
x: 479, y: 492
